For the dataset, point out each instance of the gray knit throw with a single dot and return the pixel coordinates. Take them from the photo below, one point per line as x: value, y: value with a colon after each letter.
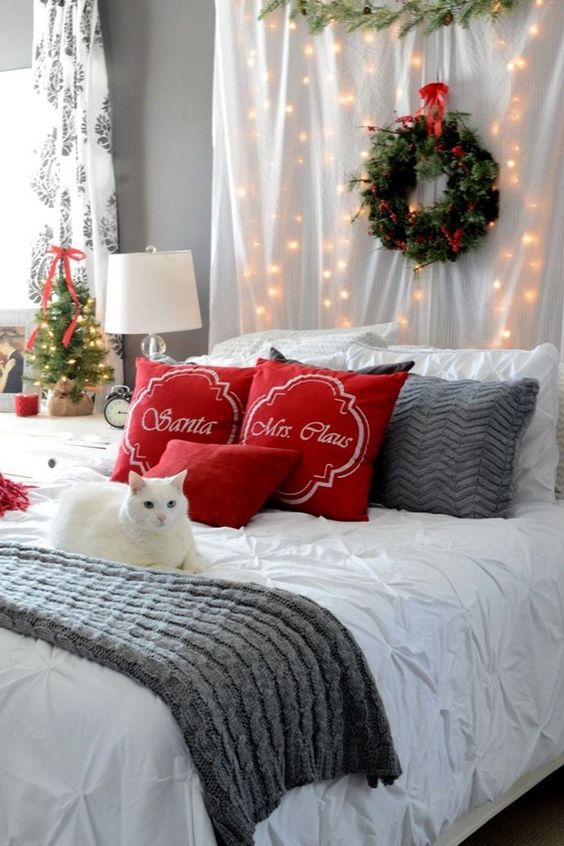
x: 269, y: 689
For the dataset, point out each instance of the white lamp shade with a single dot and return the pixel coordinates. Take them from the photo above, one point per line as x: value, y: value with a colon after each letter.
x: 151, y: 292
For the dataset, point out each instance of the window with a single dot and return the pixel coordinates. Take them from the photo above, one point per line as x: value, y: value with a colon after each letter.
x: 15, y: 193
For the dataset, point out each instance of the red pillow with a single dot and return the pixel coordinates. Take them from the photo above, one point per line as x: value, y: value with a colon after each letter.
x: 337, y: 422
x: 185, y: 401
x: 226, y: 484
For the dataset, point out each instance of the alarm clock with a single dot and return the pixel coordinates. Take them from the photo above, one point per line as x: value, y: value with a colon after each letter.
x: 116, y: 407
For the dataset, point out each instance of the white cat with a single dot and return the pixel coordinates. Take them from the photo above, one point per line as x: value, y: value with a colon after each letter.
x: 144, y: 522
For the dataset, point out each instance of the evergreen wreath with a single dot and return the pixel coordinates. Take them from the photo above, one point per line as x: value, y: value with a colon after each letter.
x: 401, y: 156
x: 368, y: 14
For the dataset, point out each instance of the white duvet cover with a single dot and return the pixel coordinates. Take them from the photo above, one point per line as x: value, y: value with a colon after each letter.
x: 462, y: 623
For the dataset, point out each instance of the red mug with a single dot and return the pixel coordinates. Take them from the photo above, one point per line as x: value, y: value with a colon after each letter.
x: 26, y: 404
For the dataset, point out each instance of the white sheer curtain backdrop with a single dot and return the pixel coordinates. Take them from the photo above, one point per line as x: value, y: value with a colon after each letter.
x: 288, y: 115
x: 73, y: 185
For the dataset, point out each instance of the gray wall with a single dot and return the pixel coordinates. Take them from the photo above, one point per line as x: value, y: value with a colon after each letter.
x: 159, y: 55
x: 16, y: 22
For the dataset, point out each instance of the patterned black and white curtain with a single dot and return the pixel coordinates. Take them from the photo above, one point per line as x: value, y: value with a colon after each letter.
x: 73, y: 185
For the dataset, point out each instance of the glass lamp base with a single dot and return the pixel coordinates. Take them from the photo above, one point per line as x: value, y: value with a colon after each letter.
x: 152, y: 346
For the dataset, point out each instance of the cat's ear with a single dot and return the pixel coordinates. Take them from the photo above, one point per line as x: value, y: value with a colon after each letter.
x: 136, y: 482
x: 178, y: 480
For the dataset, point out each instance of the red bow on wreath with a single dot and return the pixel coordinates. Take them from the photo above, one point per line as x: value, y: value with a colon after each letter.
x: 64, y: 254
x: 434, y: 103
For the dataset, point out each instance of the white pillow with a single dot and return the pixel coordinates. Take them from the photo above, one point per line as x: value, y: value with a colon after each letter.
x: 560, y: 434
x: 302, y: 342
x: 538, y: 456
x: 333, y: 361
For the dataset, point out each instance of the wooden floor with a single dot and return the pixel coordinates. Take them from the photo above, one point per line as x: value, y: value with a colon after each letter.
x: 537, y: 819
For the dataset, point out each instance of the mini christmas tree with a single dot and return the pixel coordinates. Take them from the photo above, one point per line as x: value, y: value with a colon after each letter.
x: 68, y: 347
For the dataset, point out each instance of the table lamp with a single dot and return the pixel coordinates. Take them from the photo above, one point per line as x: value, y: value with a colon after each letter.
x: 151, y: 292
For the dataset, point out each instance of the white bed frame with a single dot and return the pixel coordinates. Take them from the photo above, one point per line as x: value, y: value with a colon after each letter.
x: 475, y: 819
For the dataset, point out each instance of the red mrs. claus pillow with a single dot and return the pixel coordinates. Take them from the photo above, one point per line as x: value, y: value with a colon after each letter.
x: 191, y: 402
x: 335, y: 419
x: 226, y: 484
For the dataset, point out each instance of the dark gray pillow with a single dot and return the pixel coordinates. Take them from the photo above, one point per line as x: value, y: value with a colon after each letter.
x: 375, y: 370
x: 452, y: 447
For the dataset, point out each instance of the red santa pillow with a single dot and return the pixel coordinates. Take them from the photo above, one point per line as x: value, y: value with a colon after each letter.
x: 336, y: 420
x: 190, y: 402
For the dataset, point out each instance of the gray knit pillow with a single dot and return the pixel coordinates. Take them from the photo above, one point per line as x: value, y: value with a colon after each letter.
x: 452, y: 447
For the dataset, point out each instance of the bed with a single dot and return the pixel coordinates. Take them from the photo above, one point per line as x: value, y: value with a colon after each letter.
x: 461, y: 623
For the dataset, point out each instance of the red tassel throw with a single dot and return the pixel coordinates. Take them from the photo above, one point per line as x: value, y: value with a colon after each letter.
x: 13, y: 495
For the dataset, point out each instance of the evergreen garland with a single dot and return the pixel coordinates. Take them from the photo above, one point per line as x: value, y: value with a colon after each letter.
x: 81, y: 364
x: 368, y: 14
x: 401, y: 156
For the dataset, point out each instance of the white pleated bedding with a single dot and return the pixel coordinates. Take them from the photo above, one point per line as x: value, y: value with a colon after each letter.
x: 462, y: 623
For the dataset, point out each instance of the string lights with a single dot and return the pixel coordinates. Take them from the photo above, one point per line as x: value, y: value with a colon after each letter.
x: 275, y: 263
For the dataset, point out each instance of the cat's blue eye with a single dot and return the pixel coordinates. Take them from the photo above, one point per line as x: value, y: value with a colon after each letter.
x: 171, y: 503
x: 149, y: 504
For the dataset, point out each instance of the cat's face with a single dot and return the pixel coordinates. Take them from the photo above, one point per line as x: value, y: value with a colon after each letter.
x: 156, y: 503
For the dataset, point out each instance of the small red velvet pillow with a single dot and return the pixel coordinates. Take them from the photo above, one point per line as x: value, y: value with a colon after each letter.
x: 335, y: 419
x: 226, y: 484
x: 190, y: 402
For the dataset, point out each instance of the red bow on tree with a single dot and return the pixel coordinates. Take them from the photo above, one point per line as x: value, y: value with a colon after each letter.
x: 64, y: 254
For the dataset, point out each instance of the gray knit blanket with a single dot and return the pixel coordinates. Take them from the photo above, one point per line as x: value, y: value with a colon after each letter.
x: 269, y: 689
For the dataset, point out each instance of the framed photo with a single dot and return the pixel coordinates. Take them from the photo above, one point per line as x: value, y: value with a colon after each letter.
x: 16, y: 326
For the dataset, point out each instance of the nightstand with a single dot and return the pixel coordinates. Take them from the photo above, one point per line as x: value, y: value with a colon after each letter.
x: 37, y: 448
